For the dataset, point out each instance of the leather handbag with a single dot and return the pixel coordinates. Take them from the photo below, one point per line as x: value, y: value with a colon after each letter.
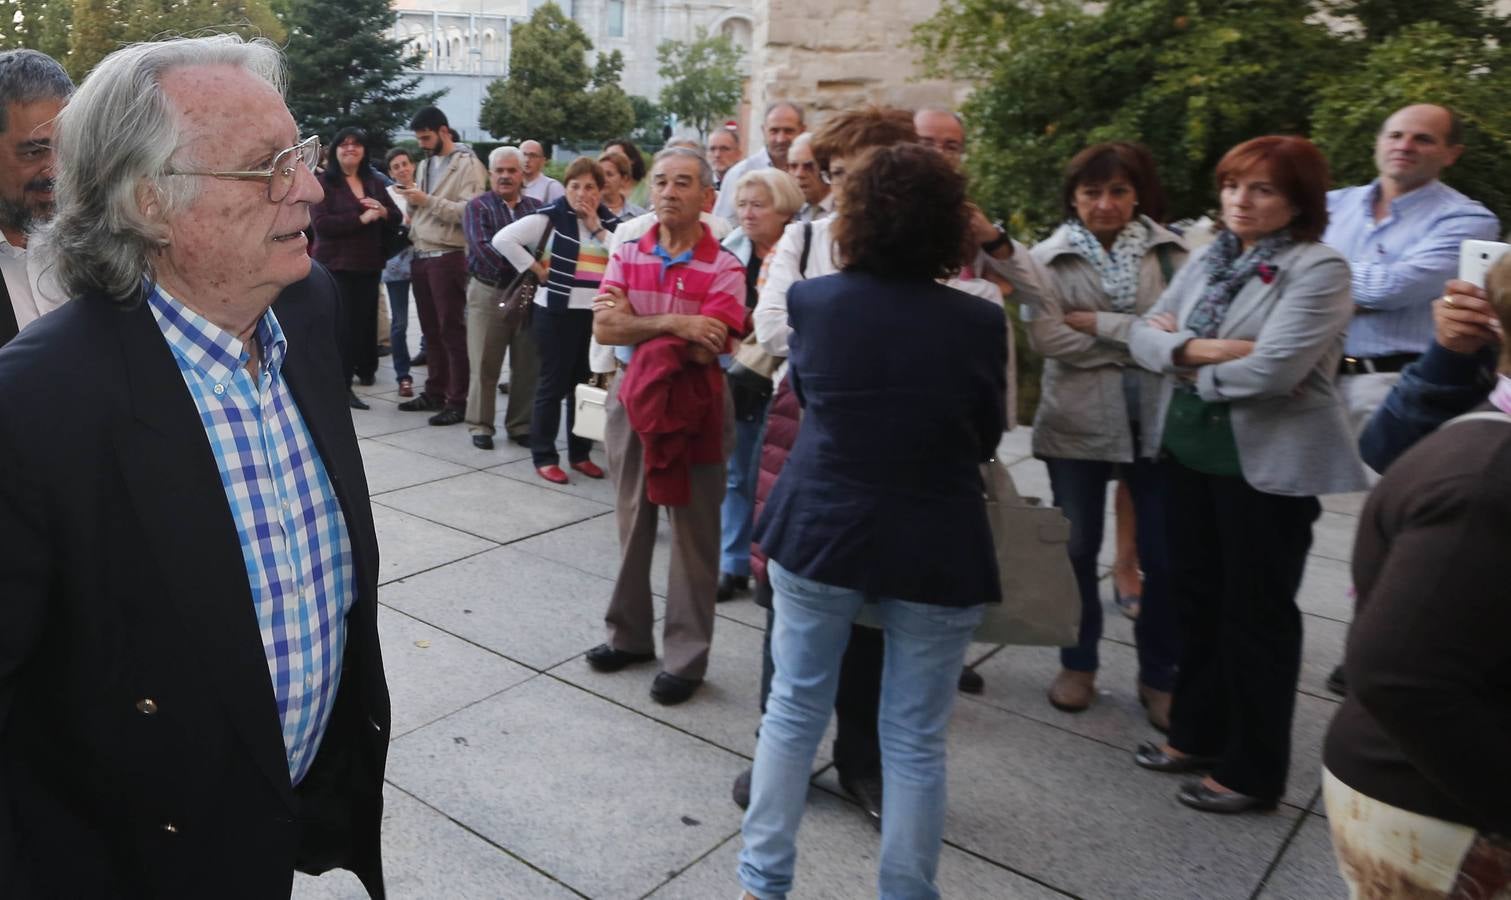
x: 1041, y: 602
x: 750, y: 371
x: 590, y: 413
x: 519, y: 295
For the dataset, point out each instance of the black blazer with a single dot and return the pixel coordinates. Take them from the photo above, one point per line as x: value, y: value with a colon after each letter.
x: 903, y: 387
x: 141, y: 753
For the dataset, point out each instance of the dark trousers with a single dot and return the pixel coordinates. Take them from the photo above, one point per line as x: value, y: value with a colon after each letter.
x: 1080, y: 491
x: 1236, y: 560
x: 440, y: 296
x: 398, y: 325
x: 857, y: 748
x: 358, y: 292
x: 561, y: 344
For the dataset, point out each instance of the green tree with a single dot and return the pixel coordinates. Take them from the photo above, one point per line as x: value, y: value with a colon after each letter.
x: 551, y: 95
x: 1382, y: 19
x: 1189, y: 78
x: 703, y: 81
x: 96, y: 27
x: 1424, y: 63
x: 36, y: 24
x: 649, y: 119
x: 345, y: 70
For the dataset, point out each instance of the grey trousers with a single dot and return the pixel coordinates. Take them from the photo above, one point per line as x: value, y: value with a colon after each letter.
x: 487, y: 339
x: 694, y: 579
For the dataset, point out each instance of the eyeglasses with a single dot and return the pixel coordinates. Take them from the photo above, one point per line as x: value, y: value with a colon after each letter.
x: 535, y: 156
x: 281, y: 174
x: 834, y: 177
x: 807, y: 166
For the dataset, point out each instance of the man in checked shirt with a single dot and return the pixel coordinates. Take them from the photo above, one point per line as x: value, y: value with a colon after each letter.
x: 192, y: 699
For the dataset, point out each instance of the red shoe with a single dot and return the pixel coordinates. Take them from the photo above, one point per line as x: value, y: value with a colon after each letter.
x: 553, y: 474
x: 588, y: 468
x: 406, y: 387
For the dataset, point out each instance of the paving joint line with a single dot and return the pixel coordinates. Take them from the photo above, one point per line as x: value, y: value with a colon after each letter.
x: 1290, y: 838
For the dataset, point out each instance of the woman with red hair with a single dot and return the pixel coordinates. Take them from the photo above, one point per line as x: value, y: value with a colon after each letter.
x: 1252, y: 428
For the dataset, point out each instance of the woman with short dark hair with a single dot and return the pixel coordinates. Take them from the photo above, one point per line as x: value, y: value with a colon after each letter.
x: 1102, y: 269
x: 1248, y: 337
x: 903, y: 385
x: 400, y: 165
x: 570, y: 270
x: 349, y: 223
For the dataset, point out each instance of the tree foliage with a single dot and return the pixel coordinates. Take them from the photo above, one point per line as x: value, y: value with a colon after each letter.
x: 91, y: 29
x: 36, y: 24
x: 703, y: 81
x: 649, y: 120
x: 345, y: 70
x: 1192, y: 78
x: 551, y: 94
x: 1424, y: 63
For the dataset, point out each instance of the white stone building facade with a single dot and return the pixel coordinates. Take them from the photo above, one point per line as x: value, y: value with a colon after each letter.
x: 465, y: 43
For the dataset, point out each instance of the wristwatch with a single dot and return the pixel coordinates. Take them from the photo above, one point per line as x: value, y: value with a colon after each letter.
x: 997, y: 243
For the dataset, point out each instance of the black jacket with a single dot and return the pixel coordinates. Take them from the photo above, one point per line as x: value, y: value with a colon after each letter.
x: 122, y: 581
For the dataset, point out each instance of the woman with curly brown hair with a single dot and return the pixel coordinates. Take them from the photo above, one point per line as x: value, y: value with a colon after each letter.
x: 903, y: 384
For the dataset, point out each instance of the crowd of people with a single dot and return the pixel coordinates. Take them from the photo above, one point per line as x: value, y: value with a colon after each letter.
x: 807, y: 358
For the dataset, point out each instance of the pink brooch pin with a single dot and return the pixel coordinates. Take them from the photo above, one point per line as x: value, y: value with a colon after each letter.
x: 1267, y: 272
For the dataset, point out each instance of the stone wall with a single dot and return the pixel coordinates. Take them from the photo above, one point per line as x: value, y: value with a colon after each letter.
x: 831, y: 55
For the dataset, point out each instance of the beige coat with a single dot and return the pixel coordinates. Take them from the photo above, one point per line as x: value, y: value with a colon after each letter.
x: 1082, y: 412
x: 438, y: 224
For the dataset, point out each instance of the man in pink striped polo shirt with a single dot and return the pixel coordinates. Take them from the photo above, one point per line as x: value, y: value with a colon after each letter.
x: 675, y: 281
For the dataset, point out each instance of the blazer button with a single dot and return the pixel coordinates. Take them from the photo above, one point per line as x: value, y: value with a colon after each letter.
x: 170, y: 828
x: 374, y: 723
x: 147, y: 706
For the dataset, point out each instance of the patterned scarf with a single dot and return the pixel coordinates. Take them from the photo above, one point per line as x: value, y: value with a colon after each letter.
x: 1118, y: 268
x: 1228, y: 270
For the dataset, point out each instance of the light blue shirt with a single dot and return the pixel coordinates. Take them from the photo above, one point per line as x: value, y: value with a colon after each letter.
x: 293, y: 534
x: 1400, y: 263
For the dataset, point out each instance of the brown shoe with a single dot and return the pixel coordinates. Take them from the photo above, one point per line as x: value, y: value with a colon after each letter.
x: 1158, y: 705
x: 1073, y: 691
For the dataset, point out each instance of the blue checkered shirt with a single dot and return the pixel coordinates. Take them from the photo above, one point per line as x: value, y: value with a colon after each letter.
x: 293, y: 534
x: 1399, y: 264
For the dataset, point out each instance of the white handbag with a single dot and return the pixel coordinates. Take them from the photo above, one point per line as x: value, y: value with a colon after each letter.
x: 591, y: 413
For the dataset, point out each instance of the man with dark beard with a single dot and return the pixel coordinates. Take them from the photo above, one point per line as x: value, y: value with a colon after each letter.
x: 33, y: 89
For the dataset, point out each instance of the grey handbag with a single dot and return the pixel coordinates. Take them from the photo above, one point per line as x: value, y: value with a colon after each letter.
x: 1041, y: 603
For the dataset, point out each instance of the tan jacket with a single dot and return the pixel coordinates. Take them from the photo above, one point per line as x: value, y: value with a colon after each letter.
x: 1082, y: 411
x: 438, y: 224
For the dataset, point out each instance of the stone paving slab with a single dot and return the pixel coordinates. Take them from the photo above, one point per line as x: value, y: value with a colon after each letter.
x: 1308, y: 870
x: 429, y: 856
x: 409, y: 544
x: 593, y: 546
x: 493, y: 508
x: 609, y: 802
x: 390, y: 468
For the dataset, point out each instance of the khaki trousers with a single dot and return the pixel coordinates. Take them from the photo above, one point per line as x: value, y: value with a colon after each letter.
x: 488, y: 336
x: 694, y: 580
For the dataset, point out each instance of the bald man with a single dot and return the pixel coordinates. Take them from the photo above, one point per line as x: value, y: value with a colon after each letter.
x: 539, y: 186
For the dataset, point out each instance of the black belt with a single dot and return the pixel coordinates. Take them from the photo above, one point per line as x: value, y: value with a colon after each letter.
x: 1374, y: 365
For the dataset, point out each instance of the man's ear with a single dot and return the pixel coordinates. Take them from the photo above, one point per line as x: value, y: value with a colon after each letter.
x: 151, y: 206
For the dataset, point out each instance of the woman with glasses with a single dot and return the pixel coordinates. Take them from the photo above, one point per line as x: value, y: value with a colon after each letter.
x: 349, y: 225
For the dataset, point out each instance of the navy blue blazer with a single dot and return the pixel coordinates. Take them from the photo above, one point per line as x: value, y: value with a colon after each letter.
x: 904, y: 390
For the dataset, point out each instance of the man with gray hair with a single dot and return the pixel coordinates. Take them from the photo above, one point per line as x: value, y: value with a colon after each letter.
x: 192, y: 698
x: 782, y: 125
x: 671, y: 303
x: 489, y: 333
x: 818, y: 196
x: 33, y: 89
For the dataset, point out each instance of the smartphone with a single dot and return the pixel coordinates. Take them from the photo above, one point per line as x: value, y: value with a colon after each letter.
x: 1476, y: 258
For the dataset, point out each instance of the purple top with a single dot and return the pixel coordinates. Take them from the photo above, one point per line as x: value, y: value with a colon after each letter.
x: 342, y: 241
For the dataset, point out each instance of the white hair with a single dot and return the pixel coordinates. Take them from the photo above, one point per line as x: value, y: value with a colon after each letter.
x: 116, y: 143
x: 786, y: 196
x: 513, y: 153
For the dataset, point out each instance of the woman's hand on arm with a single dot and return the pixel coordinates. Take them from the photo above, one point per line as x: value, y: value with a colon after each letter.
x: 1210, y: 351
x: 1083, y: 321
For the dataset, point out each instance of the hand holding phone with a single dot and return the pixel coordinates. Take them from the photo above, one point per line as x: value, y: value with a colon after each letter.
x: 1476, y: 258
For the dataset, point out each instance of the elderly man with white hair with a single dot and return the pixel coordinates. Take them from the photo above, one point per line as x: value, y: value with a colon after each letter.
x: 489, y: 333
x: 192, y: 698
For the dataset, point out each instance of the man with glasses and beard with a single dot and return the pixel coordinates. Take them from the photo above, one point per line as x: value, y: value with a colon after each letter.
x: 33, y: 90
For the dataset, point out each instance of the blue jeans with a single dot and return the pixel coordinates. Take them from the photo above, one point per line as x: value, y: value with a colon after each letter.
x: 925, y: 648
x: 1080, y: 490
x: 398, y: 325
x: 735, y: 522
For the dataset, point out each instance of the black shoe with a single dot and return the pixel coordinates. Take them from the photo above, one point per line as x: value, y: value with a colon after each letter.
x: 367, y: 380
x: 418, y: 359
x: 971, y: 681
x: 448, y: 416
x: 1337, y: 682
x: 669, y: 689
x: 354, y: 401
x: 423, y: 403
x: 604, y: 658
x: 482, y: 441
x: 741, y: 791
x: 866, y: 791
x: 503, y: 388
x: 1198, y: 796
x: 521, y: 439
x: 1150, y: 756
x: 729, y: 585
x: 385, y: 350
